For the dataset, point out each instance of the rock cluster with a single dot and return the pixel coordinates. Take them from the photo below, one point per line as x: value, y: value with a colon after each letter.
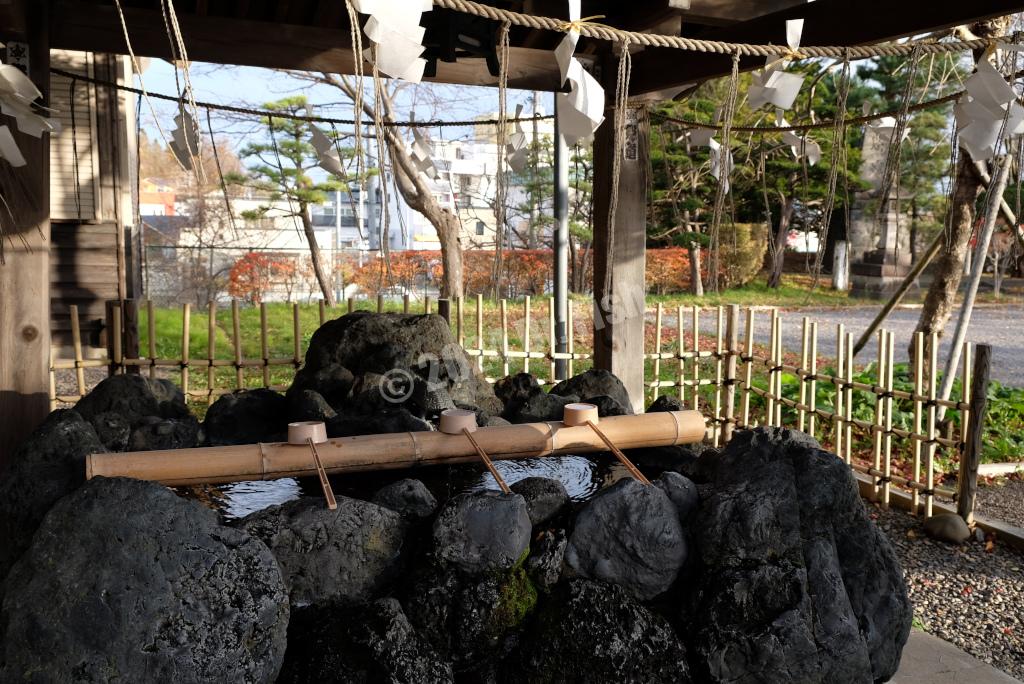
x: 756, y: 562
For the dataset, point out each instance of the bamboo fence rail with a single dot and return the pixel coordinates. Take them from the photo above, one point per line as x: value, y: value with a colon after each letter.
x: 735, y: 379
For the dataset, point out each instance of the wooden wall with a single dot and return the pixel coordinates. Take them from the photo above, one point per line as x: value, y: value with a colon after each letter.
x: 93, y: 228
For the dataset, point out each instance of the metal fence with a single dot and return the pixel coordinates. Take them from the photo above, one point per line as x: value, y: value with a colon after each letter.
x: 735, y: 379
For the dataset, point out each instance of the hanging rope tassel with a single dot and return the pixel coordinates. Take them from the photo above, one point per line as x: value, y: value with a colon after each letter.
x: 379, y: 132
x: 499, y: 180
x: 618, y: 142
x: 220, y: 175
x: 723, y: 171
x: 838, y: 153
x: 891, y: 174
x: 356, y: 36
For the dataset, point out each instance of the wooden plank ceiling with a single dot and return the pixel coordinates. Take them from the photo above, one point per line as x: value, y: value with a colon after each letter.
x: 313, y: 35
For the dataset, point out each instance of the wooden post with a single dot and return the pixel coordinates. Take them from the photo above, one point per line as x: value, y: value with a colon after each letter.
x: 848, y: 400
x: 25, y: 275
x: 211, y: 349
x: 681, y: 355
x: 801, y: 414
x: 933, y: 381
x: 619, y: 251
x: 732, y: 351
x: 967, y: 479
x: 351, y: 304
x: 569, y: 329
x: 812, y: 389
x: 130, y: 328
x: 878, y: 424
x: 380, y: 303
x: 405, y: 303
x: 552, y: 339
x: 887, y: 470
x: 773, y: 339
x: 426, y: 304
x: 296, y: 337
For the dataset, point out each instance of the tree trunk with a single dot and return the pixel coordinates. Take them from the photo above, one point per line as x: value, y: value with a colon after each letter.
x: 949, y: 269
x: 779, y: 257
x: 451, y: 254
x: 696, y: 286
x: 314, y: 256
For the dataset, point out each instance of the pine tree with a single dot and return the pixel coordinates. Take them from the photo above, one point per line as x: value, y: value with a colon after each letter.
x: 281, y: 169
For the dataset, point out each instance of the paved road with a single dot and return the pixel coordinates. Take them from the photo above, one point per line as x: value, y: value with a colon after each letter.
x: 1000, y: 326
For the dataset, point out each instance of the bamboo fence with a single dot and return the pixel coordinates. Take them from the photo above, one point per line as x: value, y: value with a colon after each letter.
x: 734, y: 379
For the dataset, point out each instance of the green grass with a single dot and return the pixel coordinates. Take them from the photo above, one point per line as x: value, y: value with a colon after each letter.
x: 795, y: 291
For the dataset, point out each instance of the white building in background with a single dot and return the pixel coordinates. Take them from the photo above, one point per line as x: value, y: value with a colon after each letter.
x: 466, y: 184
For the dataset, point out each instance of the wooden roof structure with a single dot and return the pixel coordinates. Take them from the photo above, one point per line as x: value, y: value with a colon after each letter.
x: 314, y: 35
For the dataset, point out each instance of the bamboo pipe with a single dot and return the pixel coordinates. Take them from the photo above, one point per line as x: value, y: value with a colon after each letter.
x: 398, y: 450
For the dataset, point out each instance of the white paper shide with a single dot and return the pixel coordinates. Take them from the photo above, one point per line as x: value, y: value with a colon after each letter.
x: 979, y: 114
x: 17, y: 97
x: 581, y: 110
x: 395, y: 35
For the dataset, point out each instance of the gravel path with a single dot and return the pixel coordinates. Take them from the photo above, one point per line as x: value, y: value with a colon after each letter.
x: 965, y: 595
x: 998, y: 326
x: 1003, y: 502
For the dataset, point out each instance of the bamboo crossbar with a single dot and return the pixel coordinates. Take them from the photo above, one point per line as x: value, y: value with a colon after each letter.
x: 396, y: 450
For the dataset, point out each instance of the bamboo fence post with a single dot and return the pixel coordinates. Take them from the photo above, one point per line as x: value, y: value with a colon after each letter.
x: 151, y: 329
x: 569, y: 327
x: 681, y: 355
x: 887, y: 435
x: 837, y: 382
x: 526, y: 335
x: 444, y: 310
x: 732, y: 351
x: 236, y: 329
x: 812, y: 390
x: 53, y: 383
x: 131, y: 335
x: 76, y: 341
x: 503, y: 306
x: 460, y: 322
x: 480, y: 332
x: 773, y: 340
x: 551, y: 339
x: 351, y: 304
x: 296, y: 337
x: 380, y: 303
x: 426, y: 304
x: 801, y: 376
x: 118, y: 358
x: 323, y: 312
x: 264, y: 347
x: 967, y: 478
x: 657, y: 351
x: 108, y: 330
x: 748, y: 372
x: 405, y: 303
x: 848, y: 399
x: 186, y: 318
x: 211, y: 348
x: 879, y: 421
x: 695, y: 394
x: 915, y: 494
x: 719, y: 331
x: 965, y: 385
x: 933, y: 371
x: 778, y: 376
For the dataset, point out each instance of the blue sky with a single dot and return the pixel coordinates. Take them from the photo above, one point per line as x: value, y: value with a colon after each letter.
x: 251, y: 87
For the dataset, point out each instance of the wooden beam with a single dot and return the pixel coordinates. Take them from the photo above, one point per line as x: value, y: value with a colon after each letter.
x: 826, y: 22
x: 25, y: 277
x: 619, y: 312
x: 246, y: 42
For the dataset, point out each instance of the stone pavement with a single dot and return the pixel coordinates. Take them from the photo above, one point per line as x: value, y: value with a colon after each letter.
x: 929, y: 659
